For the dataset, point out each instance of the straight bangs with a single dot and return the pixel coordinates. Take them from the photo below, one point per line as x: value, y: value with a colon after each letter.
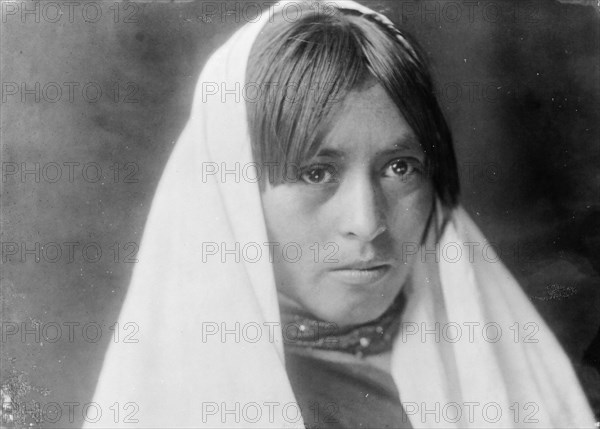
x: 305, y: 69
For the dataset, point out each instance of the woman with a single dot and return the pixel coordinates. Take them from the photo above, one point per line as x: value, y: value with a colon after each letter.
x: 308, y: 290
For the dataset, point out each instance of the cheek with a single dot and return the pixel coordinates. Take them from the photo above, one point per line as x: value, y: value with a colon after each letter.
x: 291, y: 222
x: 408, y: 217
x: 295, y: 214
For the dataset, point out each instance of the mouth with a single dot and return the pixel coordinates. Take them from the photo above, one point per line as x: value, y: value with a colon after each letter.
x: 361, y: 274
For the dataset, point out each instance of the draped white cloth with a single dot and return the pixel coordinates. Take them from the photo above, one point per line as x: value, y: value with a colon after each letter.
x: 199, y: 361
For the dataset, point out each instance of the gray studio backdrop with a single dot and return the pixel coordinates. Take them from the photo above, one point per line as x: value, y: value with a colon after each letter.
x: 95, y: 94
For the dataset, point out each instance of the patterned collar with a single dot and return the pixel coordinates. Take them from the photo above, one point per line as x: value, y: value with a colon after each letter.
x: 304, y: 330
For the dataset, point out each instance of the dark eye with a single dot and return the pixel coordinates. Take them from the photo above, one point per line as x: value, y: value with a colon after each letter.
x: 402, y: 168
x: 318, y: 174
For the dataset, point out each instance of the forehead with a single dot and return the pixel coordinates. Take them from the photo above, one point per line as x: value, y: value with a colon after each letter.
x: 368, y: 122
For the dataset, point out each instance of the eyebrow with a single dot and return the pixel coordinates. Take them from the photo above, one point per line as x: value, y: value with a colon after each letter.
x: 408, y: 144
x: 403, y: 144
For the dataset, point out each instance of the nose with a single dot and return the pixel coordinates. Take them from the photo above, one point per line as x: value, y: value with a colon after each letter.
x: 360, y: 208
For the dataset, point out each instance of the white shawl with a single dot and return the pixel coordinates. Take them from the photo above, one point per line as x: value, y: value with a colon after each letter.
x: 185, y: 371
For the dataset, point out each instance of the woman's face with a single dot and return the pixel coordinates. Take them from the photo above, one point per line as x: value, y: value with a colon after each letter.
x: 350, y: 223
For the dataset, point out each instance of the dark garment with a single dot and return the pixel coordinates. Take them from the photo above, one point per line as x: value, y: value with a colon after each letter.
x: 343, y: 395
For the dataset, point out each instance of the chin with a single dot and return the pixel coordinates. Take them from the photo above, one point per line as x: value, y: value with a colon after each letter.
x: 344, y: 310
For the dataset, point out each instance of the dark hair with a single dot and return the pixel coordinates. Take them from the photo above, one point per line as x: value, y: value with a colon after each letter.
x: 322, y: 57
